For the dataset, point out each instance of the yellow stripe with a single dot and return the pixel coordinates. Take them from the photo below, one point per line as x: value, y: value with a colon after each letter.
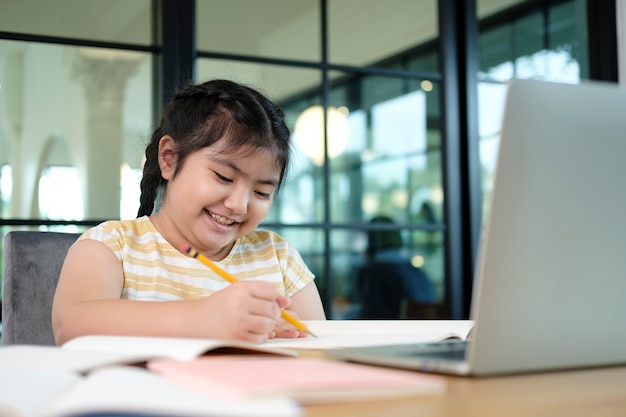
x: 155, y: 269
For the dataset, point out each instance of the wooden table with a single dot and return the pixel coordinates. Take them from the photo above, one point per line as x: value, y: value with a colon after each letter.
x: 599, y: 392
x: 582, y: 393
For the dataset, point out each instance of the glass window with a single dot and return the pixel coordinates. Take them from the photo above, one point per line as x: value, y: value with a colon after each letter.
x: 270, y: 28
x: 129, y: 201
x: 110, y: 21
x: 548, y: 44
x: 378, y: 273
x: 77, y: 109
x: 391, y: 161
x: 58, y: 199
x: 6, y: 185
x: 86, y: 112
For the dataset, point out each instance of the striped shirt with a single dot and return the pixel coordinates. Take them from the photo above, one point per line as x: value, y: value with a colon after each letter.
x: 154, y: 270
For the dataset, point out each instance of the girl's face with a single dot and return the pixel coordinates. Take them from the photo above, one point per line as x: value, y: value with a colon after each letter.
x: 218, y: 196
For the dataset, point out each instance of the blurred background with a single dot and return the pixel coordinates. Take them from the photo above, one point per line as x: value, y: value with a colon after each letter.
x: 394, y: 106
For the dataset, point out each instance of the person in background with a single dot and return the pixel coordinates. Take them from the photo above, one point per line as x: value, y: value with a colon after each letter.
x: 213, y: 167
x: 388, y: 278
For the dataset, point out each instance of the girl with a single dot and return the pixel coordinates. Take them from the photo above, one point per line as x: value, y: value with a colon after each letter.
x: 216, y: 161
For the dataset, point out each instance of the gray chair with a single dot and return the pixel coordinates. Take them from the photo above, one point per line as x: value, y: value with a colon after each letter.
x: 31, y: 266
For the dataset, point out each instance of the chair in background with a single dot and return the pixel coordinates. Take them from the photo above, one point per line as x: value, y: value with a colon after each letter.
x: 387, y: 280
x: 386, y: 289
x: 417, y: 310
x: 31, y: 266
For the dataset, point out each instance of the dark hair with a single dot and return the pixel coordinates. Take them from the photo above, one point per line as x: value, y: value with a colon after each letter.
x: 200, y: 115
x: 378, y: 240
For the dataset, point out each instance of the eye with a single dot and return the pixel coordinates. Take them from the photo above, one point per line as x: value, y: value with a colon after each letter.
x: 222, y: 178
x: 265, y: 196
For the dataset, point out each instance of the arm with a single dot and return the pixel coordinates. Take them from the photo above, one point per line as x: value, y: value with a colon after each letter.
x: 307, y: 304
x: 87, y: 301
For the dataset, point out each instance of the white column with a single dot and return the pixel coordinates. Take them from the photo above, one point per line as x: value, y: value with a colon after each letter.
x: 23, y: 171
x: 104, y: 75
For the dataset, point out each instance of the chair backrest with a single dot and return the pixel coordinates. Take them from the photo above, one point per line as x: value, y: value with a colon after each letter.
x: 32, y: 263
x: 384, y: 286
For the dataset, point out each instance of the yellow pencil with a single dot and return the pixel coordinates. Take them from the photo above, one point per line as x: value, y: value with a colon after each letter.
x: 228, y: 277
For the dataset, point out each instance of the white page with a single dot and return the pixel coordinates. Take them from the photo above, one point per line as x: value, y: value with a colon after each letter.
x: 135, y: 390
x: 160, y: 347
x: 52, y: 358
x: 24, y: 391
x: 87, y: 353
x: 333, y: 334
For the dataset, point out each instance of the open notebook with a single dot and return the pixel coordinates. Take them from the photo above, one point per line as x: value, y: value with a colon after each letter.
x: 550, y: 283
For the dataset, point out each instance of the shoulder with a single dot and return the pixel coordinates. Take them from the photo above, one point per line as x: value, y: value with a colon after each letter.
x: 139, y: 226
x: 266, y: 242
x: 120, y: 233
x: 263, y: 237
x: 270, y: 250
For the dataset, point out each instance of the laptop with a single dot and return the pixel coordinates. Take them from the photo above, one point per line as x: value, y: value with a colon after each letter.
x: 550, y: 280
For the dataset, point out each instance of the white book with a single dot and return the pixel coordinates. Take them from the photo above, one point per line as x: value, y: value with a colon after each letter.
x: 141, y: 392
x: 121, y: 390
x: 335, y: 334
x: 86, y: 353
x: 90, y: 374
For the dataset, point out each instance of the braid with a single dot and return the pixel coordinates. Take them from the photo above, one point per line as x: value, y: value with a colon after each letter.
x: 216, y: 91
x: 151, y: 177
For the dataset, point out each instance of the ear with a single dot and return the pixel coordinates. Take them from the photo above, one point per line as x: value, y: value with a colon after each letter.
x: 167, y: 157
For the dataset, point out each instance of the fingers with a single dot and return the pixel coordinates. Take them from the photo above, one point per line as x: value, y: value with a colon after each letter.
x: 283, y: 302
x: 266, y: 303
x: 284, y: 329
x: 287, y: 331
x: 264, y: 299
x: 250, y: 310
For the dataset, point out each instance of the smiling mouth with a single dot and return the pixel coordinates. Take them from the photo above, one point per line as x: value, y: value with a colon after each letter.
x: 221, y: 220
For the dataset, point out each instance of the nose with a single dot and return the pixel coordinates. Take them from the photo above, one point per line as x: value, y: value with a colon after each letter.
x: 237, y: 200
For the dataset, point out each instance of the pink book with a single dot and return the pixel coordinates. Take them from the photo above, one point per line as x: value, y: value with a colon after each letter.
x: 306, y: 380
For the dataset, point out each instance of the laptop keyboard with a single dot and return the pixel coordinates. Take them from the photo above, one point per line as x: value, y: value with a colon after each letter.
x: 448, y: 350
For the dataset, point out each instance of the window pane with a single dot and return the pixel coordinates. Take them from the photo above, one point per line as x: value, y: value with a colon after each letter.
x: 544, y: 45
x: 377, y: 274
x: 391, y: 162
x: 6, y: 185
x: 366, y: 32
x: 426, y: 251
x: 82, y: 108
x: 567, y: 32
x: 268, y: 28
x: 491, y: 97
x: 58, y: 199
x: 112, y: 20
x: 131, y: 192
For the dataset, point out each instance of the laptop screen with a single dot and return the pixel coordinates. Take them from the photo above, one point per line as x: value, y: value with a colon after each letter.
x: 550, y: 288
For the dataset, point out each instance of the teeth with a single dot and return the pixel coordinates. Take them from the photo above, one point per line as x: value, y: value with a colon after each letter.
x: 222, y: 220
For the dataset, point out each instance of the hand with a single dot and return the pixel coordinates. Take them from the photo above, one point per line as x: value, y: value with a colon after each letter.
x: 246, y: 310
x: 286, y: 330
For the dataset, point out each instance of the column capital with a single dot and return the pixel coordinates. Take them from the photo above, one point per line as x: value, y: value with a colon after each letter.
x: 104, y: 74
